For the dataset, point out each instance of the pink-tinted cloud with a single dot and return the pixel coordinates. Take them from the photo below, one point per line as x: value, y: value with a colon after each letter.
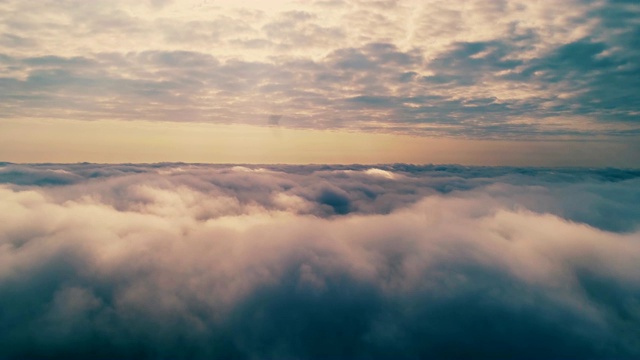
x: 211, y: 261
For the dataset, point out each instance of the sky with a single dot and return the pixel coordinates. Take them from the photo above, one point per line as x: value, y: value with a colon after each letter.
x: 508, y: 82
x: 329, y: 179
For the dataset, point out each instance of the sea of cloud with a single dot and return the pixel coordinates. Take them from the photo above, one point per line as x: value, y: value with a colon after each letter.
x: 395, y: 261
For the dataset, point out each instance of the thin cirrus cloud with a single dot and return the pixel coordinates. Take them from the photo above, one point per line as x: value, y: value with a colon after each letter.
x: 473, y: 69
x: 204, y: 261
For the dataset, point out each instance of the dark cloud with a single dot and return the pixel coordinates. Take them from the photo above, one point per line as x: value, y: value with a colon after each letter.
x: 23, y: 175
x: 207, y: 261
x: 275, y: 119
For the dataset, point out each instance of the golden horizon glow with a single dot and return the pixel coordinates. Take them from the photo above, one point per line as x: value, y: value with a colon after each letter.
x: 118, y: 141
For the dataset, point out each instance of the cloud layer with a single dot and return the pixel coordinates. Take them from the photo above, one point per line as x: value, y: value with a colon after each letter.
x: 467, y: 68
x: 201, y: 261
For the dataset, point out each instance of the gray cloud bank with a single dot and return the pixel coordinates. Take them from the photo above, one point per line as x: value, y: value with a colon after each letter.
x: 397, y: 261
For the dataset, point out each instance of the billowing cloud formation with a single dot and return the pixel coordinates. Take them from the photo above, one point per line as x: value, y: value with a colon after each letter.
x: 201, y: 261
x: 470, y: 68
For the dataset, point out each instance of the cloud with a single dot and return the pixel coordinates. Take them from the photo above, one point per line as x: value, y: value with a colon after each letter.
x: 274, y: 119
x: 201, y: 261
x: 507, y: 69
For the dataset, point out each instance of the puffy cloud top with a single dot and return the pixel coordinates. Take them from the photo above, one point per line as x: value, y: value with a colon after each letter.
x: 202, y: 261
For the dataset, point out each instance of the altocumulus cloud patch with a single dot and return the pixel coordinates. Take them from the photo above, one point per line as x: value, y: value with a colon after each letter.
x: 509, y: 69
x: 199, y: 261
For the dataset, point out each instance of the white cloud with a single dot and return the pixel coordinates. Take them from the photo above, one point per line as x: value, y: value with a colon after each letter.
x: 143, y: 261
x: 381, y: 173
